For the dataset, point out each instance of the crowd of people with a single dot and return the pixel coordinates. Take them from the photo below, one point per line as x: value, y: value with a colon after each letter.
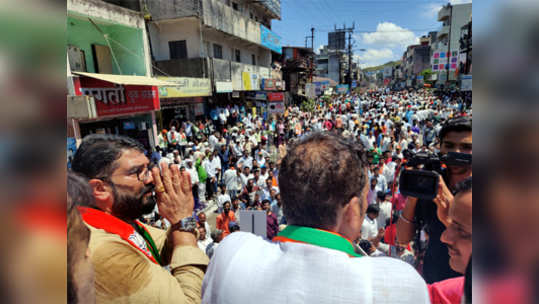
x: 337, y: 167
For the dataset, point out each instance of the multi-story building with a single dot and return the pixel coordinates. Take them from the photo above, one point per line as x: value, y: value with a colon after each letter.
x: 447, y: 46
x: 332, y: 64
x: 416, y: 58
x: 297, y: 67
x: 108, y: 68
x: 465, y: 64
x: 228, y: 41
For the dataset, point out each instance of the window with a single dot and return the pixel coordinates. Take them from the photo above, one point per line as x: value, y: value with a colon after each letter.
x: 237, y: 55
x: 102, y: 59
x: 217, y: 51
x: 178, y: 49
x: 235, y: 6
x: 253, y: 59
x: 227, y: 2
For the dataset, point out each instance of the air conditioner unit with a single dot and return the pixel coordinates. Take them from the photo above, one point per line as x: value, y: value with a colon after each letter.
x: 81, y: 107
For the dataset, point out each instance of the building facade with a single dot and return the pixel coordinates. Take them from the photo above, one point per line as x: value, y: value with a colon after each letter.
x: 228, y: 42
x: 108, y: 69
x: 446, y: 50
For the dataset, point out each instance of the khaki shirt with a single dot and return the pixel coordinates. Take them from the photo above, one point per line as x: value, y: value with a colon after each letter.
x: 123, y: 274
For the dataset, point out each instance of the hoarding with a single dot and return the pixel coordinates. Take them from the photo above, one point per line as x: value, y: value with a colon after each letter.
x: 270, y: 39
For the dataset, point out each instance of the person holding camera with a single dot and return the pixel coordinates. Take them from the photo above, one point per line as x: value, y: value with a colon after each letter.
x: 455, y: 136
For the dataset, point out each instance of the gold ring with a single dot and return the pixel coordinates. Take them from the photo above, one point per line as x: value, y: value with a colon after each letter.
x: 160, y: 189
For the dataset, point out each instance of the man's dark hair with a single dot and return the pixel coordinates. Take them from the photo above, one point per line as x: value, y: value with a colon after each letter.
x: 459, y: 124
x: 365, y: 245
x: 98, y: 152
x: 464, y: 186
x: 320, y: 174
x: 79, y: 193
x: 373, y: 209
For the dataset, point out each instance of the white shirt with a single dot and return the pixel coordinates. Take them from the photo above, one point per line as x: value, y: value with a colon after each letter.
x: 222, y: 199
x: 303, y: 273
x: 385, y: 213
x: 204, y: 243
x: 194, y: 175
x: 213, y: 141
x: 232, y: 180
x: 369, y: 228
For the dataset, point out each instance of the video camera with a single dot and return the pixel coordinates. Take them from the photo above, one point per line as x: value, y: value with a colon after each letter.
x: 423, y: 183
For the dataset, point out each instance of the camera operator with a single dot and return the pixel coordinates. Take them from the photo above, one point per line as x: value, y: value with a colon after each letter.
x: 455, y: 136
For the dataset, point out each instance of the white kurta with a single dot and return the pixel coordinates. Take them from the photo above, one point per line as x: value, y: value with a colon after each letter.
x: 248, y: 269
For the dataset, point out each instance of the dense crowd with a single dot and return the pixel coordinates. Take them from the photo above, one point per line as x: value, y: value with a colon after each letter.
x: 233, y: 156
x: 326, y: 175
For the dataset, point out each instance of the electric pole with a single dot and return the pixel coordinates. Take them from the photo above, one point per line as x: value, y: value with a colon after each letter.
x: 350, y: 30
x: 312, y: 55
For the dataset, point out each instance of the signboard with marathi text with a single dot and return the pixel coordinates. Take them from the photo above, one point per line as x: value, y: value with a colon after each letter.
x: 223, y: 87
x: 275, y: 96
x: 113, y: 99
x: 250, y: 81
x: 186, y: 87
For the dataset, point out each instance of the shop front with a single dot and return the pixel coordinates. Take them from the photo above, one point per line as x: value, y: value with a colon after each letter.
x: 124, y: 105
x: 184, y: 101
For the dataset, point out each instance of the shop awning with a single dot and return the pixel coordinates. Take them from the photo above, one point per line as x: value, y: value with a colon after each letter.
x: 127, y: 79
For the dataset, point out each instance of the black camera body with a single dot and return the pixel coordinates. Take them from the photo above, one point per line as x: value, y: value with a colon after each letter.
x: 423, y: 183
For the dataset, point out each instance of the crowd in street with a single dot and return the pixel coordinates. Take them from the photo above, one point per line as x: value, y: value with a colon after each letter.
x: 235, y: 161
x: 233, y: 156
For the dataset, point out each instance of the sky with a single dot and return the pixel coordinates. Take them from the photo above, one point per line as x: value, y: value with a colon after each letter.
x: 383, y: 28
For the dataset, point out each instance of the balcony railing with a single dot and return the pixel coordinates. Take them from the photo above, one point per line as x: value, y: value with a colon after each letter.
x: 193, y: 67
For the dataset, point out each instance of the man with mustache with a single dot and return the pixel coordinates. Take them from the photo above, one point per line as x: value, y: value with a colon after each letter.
x: 128, y: 256
x: 455, y: 136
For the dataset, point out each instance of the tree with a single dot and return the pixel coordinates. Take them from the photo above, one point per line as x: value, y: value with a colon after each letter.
x: 427, y: 74
x: 308, y: 105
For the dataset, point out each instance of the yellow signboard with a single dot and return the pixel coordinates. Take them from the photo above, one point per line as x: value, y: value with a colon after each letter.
x: 186, y: 87
x: 250, y: 81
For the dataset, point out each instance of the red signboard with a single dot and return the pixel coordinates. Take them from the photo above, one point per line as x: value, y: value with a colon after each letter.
x: 276, y: 96
x: 114, y: 99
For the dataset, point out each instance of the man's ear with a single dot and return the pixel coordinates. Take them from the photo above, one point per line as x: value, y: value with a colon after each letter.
x: 102, y: 194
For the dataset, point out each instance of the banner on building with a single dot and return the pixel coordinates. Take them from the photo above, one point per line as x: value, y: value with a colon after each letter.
x: 270, y: 84
x: 466, y: 82
x: 270, y: 40
x: 310, y: 90
x: 185, y: 87
x: 275, y: 107
x: 342, y: 88
x: 223, y: 86
x: 250, y: 81
x: 113, y: 99
x: 321, y: 86
x: 275, y: 96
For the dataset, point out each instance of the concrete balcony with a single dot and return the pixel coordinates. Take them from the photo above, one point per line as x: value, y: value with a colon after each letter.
x: 217, y: 15
x: 444, y: 13
x: 443, y: 32
x: 272, y: 7
x: 218, y: 69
